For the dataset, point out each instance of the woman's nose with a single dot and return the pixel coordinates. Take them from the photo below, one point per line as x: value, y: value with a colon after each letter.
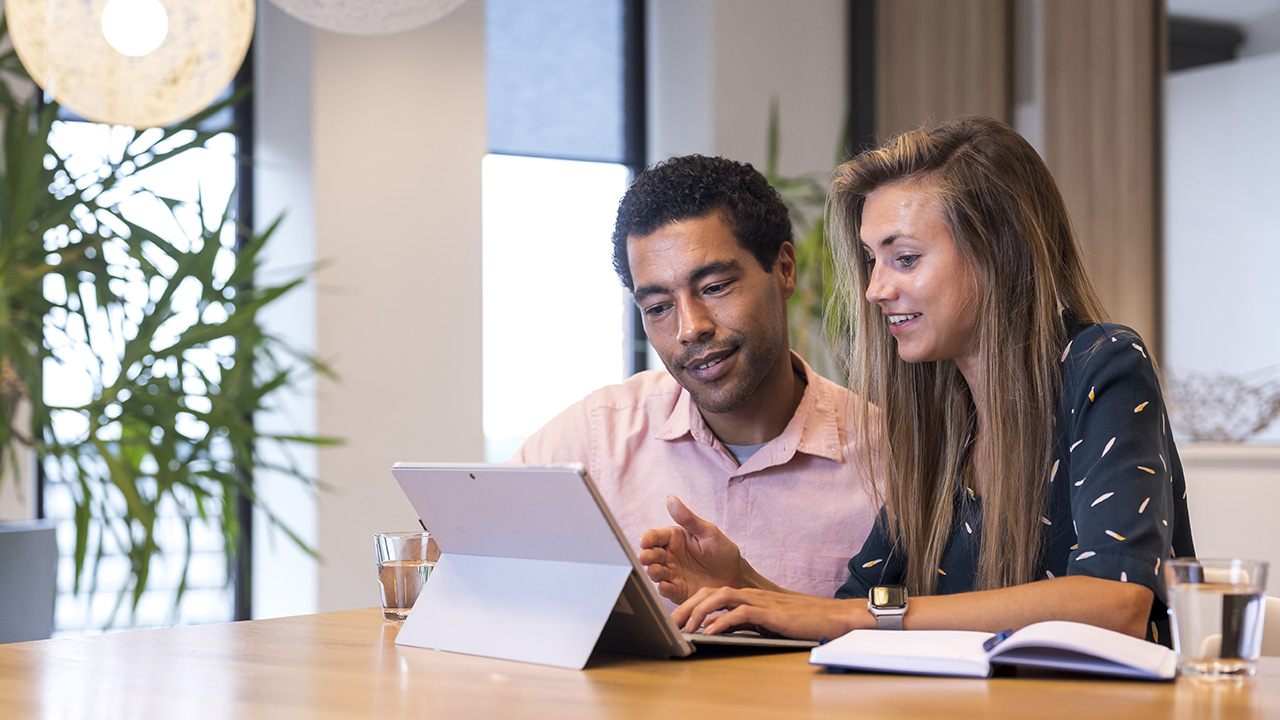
x: 878, y: 288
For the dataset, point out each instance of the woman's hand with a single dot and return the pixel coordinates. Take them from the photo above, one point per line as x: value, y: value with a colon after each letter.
x: 788, y: 614
x: 691, y: 555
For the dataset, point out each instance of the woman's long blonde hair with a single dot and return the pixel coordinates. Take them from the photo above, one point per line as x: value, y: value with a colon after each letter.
x: 1011, y: 225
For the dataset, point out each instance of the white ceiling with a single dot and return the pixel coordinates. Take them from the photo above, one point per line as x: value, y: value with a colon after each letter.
x: 1236, y: 12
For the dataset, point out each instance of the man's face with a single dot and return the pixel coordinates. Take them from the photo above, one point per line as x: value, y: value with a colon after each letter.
x: 715, y: 317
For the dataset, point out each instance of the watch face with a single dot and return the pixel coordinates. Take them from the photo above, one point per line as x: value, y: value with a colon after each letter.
x: 888, y: 597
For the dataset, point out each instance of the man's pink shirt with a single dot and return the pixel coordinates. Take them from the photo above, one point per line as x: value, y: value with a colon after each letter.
x: 798, y: 508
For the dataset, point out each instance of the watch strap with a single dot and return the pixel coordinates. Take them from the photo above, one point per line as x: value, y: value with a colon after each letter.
x: 890, y: 620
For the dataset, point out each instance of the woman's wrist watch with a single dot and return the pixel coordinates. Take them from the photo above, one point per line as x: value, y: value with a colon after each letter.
x: 888, y: 604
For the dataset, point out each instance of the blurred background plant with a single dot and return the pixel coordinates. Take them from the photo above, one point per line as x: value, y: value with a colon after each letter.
x: 815, y: 333
x: 1221, y: 406
x: 133, y: 356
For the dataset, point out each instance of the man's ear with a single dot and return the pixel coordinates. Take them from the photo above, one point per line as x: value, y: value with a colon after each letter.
x: 786, y: 267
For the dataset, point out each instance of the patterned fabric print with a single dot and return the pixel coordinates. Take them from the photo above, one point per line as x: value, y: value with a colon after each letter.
x: 1117, y: 504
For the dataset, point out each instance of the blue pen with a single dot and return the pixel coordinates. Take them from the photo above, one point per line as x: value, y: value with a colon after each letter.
x: 996, y: 639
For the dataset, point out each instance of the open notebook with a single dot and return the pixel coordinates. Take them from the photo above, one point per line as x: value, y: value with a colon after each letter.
x: 1052, y: 644
x: 534, y: 568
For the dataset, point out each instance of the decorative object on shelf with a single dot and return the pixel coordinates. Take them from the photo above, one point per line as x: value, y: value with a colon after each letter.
x: 145, y: 63
x: 368, y: 17
x: 165, y: 330
x: 1222, y: 406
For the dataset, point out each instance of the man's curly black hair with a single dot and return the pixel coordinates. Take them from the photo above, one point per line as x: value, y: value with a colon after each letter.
x: 694, y: 186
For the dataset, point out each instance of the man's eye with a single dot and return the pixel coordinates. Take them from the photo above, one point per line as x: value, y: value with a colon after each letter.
x: 655, y: 310
x: 716, y: 288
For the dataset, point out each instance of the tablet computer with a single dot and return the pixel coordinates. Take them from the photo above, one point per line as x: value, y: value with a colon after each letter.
x: 533, y: 567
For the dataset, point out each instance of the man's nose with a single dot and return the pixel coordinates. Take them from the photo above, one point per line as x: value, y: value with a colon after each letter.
x: 695, y: 322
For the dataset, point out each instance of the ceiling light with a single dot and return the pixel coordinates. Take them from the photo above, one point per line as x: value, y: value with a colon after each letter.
x: 368, y: 17
x: 92, y: 55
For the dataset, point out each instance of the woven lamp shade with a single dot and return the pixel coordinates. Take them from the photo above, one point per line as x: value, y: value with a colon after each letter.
x: 368, y: 17
x: 62, y: 45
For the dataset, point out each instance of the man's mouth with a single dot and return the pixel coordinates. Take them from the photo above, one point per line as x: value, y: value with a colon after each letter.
x: 708, y: 364
x: 709, y: 359
x: 707, y: 367
x: 899, y: 319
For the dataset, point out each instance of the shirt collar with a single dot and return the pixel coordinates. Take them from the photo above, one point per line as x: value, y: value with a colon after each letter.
x: 816, y: 428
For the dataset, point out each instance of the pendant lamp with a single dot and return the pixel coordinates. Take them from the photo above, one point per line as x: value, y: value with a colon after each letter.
x: 145, y: 63
x: 368, y: 17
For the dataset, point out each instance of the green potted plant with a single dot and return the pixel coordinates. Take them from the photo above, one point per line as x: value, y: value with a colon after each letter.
x: 178, y: 359
x: 815, y: 330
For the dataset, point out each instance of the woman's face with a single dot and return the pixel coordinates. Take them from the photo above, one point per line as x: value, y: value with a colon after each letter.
x: 925, y: 288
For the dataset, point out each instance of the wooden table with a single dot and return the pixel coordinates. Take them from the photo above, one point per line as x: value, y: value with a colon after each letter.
x: 346, y: 665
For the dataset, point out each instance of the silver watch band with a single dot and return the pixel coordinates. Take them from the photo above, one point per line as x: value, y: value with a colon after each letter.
x: 890, y: 621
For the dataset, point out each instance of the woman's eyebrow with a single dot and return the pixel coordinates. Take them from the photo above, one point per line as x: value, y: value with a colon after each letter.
x: 883, y: 243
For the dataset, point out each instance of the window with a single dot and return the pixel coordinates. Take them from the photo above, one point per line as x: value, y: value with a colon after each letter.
x: 554, y: 313
x: 565, y: 93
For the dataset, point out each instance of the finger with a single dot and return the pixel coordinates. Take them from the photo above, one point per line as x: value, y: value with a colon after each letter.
x: 681, y: 614
x: 653, y: 556
x: 663, y: 587
x: 722, y: 623
x: 658, y: 573
x: 749, y: 609
x: 671, y: 592
x: 657, y: 537
x: 738, y: 618
x: 720, y: 599
x: 685, y: 518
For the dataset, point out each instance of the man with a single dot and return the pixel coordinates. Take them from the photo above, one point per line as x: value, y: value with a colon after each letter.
x: 738, y: 427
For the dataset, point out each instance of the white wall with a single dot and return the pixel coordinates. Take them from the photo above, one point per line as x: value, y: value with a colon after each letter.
x: 1222, y: 220
x: 399, y: 134
x: 1232, y: 495
x: 372, y: 146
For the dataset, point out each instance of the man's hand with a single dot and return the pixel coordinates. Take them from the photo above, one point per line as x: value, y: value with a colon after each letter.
x: 691, y: 555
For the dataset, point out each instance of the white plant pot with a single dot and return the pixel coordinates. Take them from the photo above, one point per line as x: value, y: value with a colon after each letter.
x: 18, y: 495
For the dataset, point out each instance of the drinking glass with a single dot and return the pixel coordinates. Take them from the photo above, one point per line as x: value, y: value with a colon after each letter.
x: 404, y: 560
x: 1216, y: 612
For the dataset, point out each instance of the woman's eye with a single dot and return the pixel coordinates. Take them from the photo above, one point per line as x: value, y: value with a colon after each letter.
x: 908, y: 260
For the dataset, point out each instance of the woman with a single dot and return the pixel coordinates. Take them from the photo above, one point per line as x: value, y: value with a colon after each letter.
x: 1028, y: 469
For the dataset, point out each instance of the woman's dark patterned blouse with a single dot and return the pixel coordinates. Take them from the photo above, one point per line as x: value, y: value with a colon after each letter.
x: 1117, y: 505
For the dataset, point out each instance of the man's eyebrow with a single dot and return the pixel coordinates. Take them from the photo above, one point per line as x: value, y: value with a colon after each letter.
x: 711, y: 268
x: 714, y: 268
x: 645, y: 291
